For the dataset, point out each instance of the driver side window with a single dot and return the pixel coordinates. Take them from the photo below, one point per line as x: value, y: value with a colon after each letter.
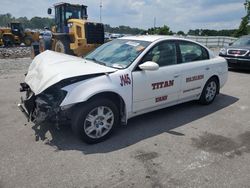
x: 163, y: 54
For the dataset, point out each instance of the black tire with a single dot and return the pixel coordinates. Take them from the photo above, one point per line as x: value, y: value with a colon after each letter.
x: 63, y: 46
x: 209, y: 92
x: 80, y: 124
x: 28, y: 40
x: 8, y: 41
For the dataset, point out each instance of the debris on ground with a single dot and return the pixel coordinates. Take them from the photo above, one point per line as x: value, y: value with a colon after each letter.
x: 15, y: 52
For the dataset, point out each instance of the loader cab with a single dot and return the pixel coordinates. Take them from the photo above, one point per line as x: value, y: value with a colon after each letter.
x: 17, y: 29
x: 64, y: 12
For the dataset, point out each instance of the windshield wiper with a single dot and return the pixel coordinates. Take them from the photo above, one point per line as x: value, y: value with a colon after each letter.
x: 96, y: 61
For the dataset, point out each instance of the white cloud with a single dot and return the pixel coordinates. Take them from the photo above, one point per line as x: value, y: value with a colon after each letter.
x: 178, y: 14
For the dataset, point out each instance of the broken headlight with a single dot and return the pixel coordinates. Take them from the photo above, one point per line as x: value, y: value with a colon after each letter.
x: 53, y: 96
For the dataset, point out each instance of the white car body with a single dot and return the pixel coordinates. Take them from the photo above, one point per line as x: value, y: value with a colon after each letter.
x: 141, y: 91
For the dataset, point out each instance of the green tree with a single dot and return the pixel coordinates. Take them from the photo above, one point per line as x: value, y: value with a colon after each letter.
x: 165, y: 30
x: 123, y: 30
x: 24, y: 21
x: 196, y: 32
x: 243, y: 29
x: 5, y: 19
x: 33, y: 23
x: 180, y: 33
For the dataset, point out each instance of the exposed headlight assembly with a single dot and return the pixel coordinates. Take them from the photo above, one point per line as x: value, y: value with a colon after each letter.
x: 223, y: 51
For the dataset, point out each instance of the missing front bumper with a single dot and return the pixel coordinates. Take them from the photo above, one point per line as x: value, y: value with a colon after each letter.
x: 44, y: 107
x: 22, y: 109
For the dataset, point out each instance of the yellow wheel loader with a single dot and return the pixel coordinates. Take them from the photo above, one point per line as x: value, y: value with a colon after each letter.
x: 73, y: 33
x: 15, y: 35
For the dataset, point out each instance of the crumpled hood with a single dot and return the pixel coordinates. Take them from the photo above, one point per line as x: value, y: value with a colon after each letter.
x: 49, y: 68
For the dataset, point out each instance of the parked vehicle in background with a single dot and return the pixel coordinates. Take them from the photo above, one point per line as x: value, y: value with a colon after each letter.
x: 119, y: 80
x: 237, y: 54
x: 116, y: 35
x: 16, y: 35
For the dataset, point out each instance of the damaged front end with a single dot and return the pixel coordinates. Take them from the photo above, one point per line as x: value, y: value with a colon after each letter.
x: 44, y: 106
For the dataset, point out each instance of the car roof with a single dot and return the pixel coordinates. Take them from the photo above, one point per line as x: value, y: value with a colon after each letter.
x: 149, y: 38
x: 154, y: 38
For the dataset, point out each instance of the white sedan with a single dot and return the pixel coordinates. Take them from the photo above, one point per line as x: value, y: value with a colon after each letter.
x: 119, y: 80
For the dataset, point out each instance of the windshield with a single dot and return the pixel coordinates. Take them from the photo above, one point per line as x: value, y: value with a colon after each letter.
x: 76, y: 12
x: 73, y: 12
x: 242, y: 42
x: 119, y: 53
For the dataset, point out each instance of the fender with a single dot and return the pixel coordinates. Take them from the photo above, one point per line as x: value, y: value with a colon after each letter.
x: 220, y: 69
x: 82, y: 91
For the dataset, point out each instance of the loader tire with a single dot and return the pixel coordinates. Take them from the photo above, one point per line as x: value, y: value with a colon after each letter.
x: 8, y: 41
x: 28, y: 41
x: 63, y: 46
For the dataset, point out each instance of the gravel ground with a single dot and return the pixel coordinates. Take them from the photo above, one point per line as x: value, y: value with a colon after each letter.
x: 15, y: 52
x: 182, y: 146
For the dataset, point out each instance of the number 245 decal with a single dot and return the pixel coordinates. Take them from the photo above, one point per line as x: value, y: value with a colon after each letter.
x: 125, y: 80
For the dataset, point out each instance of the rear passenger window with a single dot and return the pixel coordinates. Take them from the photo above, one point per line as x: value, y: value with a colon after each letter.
x: 192, y: 52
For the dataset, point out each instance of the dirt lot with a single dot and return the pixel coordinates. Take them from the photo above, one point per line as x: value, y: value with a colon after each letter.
x: 183, y: 146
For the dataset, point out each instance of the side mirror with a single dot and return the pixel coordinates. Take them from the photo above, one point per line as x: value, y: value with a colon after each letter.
x: 230, y: 44
x: 149, y: 66
x: 49, y: 11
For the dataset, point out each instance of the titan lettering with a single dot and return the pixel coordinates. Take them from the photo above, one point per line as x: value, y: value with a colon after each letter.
x: 160, y: 85
x: 125, y: 80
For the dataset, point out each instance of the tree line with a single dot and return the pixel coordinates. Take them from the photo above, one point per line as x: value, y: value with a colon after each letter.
x: 211, y: 32
x: 33, y: 23
x: 41, y: 23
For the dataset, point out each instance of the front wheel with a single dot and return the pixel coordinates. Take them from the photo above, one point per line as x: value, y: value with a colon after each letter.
x: 95, y: 121
x: 8, y: 41
x: 209, y: 91
x: 63, y: 46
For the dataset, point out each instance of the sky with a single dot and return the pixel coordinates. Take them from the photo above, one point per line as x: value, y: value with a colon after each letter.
x: 177, y: 14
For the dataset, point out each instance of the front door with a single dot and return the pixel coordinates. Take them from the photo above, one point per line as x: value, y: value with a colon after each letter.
x: 157, y: 88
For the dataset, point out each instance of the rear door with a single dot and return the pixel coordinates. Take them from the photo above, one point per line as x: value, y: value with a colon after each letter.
x: 195, y: 65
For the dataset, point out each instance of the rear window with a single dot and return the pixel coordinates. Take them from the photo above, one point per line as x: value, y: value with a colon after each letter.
x: 192, y: 52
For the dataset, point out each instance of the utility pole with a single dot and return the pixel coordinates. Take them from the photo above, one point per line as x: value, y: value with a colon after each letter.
x: 154, y: 22
x: 100, y: 11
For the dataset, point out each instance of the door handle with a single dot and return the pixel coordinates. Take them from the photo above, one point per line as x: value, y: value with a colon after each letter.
x: 176, y: 75
x: 207, y: 68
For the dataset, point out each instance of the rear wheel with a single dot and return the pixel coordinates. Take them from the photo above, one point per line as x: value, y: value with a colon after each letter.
x: 28, y: 41
x: 95, y: 121
x: 63, y: 46
x: 210, y: 91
